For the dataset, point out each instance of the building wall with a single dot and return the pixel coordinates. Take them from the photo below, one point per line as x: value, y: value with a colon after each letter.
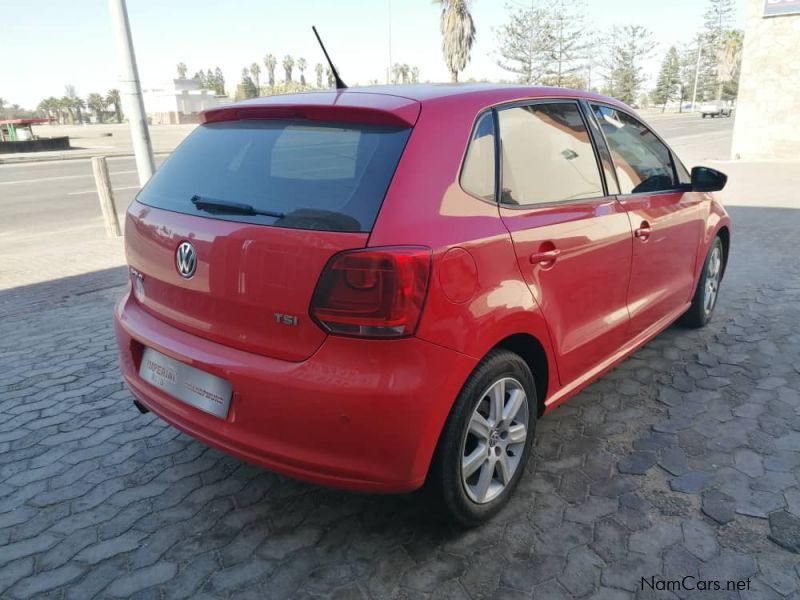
x: 766, y: 125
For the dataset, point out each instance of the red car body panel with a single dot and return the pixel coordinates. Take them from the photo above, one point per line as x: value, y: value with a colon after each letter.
x: 366, y: 414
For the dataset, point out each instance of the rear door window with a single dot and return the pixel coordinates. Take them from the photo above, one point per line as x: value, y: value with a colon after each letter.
x: 642, y: 161
x: 547, y: 155
x: 329, y: 177
x: 477, y: 175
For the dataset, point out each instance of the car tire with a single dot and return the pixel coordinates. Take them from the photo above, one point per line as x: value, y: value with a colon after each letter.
x: 703, y: 115
x: 457, y: 492
x: 700, y: 313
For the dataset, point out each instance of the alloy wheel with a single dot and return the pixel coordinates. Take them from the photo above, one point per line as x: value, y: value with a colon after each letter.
x: 713, y: 272
x: 495, y: 440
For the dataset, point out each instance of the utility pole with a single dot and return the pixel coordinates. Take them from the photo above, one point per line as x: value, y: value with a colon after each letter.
x: 389, y: 70
x: 697, y: 72
x: 131, y: 90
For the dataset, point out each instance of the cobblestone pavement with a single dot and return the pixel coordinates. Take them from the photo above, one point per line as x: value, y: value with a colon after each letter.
x: 683, y: 461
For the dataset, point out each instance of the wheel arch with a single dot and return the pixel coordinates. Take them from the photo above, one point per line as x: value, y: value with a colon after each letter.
x: 532, y: 352
x: 724, y: 235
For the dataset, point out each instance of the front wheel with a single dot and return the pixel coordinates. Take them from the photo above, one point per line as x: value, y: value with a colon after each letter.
x: 486, y: 440
x: 705, y: 296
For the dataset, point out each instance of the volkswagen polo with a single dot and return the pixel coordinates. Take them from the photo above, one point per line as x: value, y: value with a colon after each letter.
x: 383, y: 288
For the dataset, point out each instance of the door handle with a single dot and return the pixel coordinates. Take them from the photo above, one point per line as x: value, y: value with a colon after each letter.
x: 644, y: 231
x: 548, y: 256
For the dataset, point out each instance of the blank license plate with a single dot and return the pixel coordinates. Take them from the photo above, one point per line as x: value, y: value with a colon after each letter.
x: 202, y: 390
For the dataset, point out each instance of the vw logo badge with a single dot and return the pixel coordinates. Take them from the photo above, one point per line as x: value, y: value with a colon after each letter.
x: 186, y: 260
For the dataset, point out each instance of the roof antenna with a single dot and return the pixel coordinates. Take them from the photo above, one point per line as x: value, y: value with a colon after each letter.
x: 340, y: 85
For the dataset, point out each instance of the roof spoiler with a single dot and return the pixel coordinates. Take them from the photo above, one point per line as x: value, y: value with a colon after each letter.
x: 401, y: 116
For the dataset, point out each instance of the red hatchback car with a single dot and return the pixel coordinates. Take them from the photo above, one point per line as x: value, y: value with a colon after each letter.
x: 384, y: 287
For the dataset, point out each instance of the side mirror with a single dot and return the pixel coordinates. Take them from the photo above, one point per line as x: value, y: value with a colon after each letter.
x: 706, y: 179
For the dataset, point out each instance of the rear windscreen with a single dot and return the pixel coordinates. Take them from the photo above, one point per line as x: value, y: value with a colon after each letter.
x: 310, y: 176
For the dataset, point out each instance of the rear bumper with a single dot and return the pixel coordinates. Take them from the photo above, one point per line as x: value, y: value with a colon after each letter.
x: 358, y: 414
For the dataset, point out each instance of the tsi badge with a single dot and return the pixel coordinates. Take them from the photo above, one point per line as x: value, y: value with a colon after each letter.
x: 283, y: 319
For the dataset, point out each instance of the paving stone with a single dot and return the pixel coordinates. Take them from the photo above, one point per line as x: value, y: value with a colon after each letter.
x: 692, y: 482
x: 699, y: 539
x: 673, y: 460
x: 36, y: 585
x: 146, y: 577
x: 637, y: 463
x: 718, y: 506
x: 654, y: 539
x: 429, y: 575
x: 749, y: 462
x: 784, y: 530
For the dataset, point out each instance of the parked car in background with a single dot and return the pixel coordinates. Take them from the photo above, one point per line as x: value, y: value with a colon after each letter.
x: 383, y: 288
x: 720, y: 108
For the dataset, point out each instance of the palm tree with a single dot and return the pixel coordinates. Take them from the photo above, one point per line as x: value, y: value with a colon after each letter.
x: 331, y: 79
x: 270, y: 63
x: 458, y: 34
x: 319, y: 70
x: 97, y: 103
x: 113, y: 99
x: 414, y: 74
x: 66, y: 108
x: 288, y: 65
x: 255, y: 73
x: 729, y: 56
x: 78, y: 104
x: 301, y: 66
x: 181, y: 68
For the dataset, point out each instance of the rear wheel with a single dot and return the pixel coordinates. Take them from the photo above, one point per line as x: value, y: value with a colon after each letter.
x: 705, y: 296
x: 486, y: 441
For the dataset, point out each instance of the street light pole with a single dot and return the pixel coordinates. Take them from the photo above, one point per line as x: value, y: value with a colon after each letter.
x: 131, y: 91
x: 696, y: 73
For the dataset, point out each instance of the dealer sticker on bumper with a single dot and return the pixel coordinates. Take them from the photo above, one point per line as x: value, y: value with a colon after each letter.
x: 202, y: 390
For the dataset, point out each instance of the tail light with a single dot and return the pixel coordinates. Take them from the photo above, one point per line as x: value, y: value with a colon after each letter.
x: 375, y: 292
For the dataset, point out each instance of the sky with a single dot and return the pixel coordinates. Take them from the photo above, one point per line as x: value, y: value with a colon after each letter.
x: 45, y: 45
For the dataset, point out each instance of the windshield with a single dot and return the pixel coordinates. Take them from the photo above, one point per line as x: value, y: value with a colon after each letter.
x: 293, y: 174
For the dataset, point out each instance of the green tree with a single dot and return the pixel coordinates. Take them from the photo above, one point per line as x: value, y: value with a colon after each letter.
x: 288, y: 65
x: 74, y: 102
x: 319, y: 70
x: 565, y: 44
x: 458, y: 35
x: 113, y: 99
x: 247, y: 87
x: 729, y: 63
x: 626, y: 48
x: 523, y: 43
x: 270, y: 63
x: 255, y: 73
x: 414, y: 74
x: 200, y: 78
x: 718, y: 19
x: 97, y: 104
x: 219, y: 83
x: 181, y: 69
x: 2, y: 105
x: 668, y: 83
x: 687, y: 70
x: 301, y: 66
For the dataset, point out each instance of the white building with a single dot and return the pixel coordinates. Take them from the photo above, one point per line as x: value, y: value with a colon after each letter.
x: 179, y: 101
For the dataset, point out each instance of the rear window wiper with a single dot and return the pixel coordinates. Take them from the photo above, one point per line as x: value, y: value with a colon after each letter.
x: 225, y: 207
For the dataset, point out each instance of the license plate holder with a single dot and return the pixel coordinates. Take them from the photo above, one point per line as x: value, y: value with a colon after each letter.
x: 192, y: 386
